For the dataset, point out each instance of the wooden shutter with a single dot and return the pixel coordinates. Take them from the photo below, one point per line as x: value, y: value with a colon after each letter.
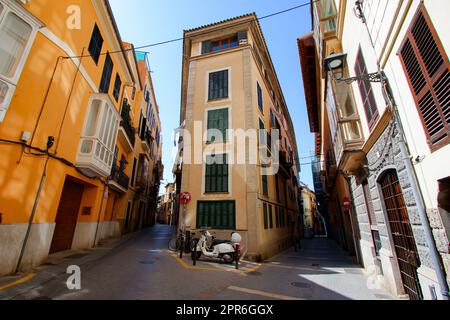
x: 206, y: 47
x: 106, y: 75
x: 260, y: 98
x: 266, y: 218
x: 270, y: 216
x: 265, y: 188
x: 218, y: 119
x: 365, y: 89
x: 428, y: 72
x: 216, y: 175
x: 216, y: 214
x: 218, y: 85
x: 117, y: 87
x: 95, y: 45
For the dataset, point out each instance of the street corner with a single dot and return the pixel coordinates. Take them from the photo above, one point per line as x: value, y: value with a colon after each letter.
x: 206, y: 264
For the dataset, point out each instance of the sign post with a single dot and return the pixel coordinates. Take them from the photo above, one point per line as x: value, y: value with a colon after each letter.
x: 185, y: 198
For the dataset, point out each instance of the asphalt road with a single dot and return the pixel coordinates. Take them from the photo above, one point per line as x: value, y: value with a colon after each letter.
x: 139, y: 267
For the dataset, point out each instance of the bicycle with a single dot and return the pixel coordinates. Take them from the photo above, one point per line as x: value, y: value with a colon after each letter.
x: 175, y: 242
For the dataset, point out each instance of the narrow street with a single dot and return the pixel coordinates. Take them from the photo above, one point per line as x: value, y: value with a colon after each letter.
x: 140, y: 267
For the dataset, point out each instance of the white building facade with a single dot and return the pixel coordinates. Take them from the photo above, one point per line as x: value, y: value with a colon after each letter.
x: 410, y: 41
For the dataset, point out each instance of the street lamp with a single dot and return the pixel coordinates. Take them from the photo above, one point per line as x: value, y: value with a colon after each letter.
x: 335, y: 63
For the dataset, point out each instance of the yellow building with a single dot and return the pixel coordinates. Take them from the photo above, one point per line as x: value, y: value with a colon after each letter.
x: 229, y: 83
x: 65, y: 84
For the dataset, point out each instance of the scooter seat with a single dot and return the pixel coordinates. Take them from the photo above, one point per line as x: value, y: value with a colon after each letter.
x: 217, y: 242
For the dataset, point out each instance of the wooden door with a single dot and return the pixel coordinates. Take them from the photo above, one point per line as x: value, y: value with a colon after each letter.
x: 66, y: 217
x: 402, y: 234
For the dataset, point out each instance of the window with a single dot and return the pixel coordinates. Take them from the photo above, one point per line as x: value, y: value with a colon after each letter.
x: 222, y: 44
x: 142, y: 171
x: 328, y: 15
x: 265, y: 187
x: 260, y: 98
x: 133, y: 173
x: 270, y: 216
x: 365, y: 89
x: 117, y: 87
x: 218, y: 85
x: 99, y: 135
x: 266, y: 218
x: 216, y: 176
x: 277, y: 217
x: 427, y: 68
x: 217, y: 120
x: 377, y: 241
x: 95, y: 46
x: 16, y: 36
x: 106, y: 75
x: 216, y: 214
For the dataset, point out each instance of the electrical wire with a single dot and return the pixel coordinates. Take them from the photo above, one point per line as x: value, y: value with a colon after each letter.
x: 187, y: 37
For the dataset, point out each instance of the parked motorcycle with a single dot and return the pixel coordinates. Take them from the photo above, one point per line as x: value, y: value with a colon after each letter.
x: 207, y: 245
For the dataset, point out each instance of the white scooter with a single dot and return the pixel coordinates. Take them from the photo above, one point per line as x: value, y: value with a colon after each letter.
x: 222, y: 249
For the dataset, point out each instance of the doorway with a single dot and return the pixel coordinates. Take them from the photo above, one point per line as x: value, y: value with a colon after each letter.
x: 402, y: 234
x: 67, y: 216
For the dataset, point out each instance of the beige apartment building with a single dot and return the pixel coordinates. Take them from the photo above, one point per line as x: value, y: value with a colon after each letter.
x: 229, y: 83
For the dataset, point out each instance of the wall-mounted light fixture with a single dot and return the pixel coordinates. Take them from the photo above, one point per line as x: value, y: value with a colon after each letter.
x: 335, y: 64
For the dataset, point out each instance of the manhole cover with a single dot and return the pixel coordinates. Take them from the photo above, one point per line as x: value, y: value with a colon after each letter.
x: 301, y: 285
x: 147, y: 262
x: 255, y: 273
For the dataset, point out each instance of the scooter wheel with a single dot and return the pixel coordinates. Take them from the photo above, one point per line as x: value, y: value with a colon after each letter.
x: 228, y: 258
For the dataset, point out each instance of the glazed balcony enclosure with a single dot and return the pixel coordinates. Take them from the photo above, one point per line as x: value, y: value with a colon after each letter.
x: 96, y: 151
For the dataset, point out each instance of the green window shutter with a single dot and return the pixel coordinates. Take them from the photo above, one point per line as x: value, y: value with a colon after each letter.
x: 218, y: 119
x: 260, y: 98
x: 277, y: 217
x: 216, y: 175
x: 264, y: 185
x: 266, y: 221
x: 216, y: 214
x: 218, y: 85
x: 206, y: 47
x: 271, y: 216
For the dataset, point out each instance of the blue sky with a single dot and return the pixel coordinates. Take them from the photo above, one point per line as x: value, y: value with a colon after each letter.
x: 143, y: 22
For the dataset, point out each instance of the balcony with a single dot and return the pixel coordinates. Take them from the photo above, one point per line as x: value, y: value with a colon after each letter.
x: 127, y: 133
x: 345, y: 127
x: 144, y: 135
x: 119, y: 181
x: 96, y: 152
x: 325, y: 18
x: 285, y: 166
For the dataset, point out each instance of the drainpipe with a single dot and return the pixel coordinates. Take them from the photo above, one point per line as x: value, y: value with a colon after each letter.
x: 354, y: 225
x: 100, y: 213
x: 406, y: 157
x: 32, y: 215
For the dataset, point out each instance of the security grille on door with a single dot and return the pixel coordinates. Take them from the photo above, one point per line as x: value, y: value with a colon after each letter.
x: 402, y: 234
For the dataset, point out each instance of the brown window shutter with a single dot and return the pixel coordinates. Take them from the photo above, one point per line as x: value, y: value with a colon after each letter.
x: 428, y: 72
